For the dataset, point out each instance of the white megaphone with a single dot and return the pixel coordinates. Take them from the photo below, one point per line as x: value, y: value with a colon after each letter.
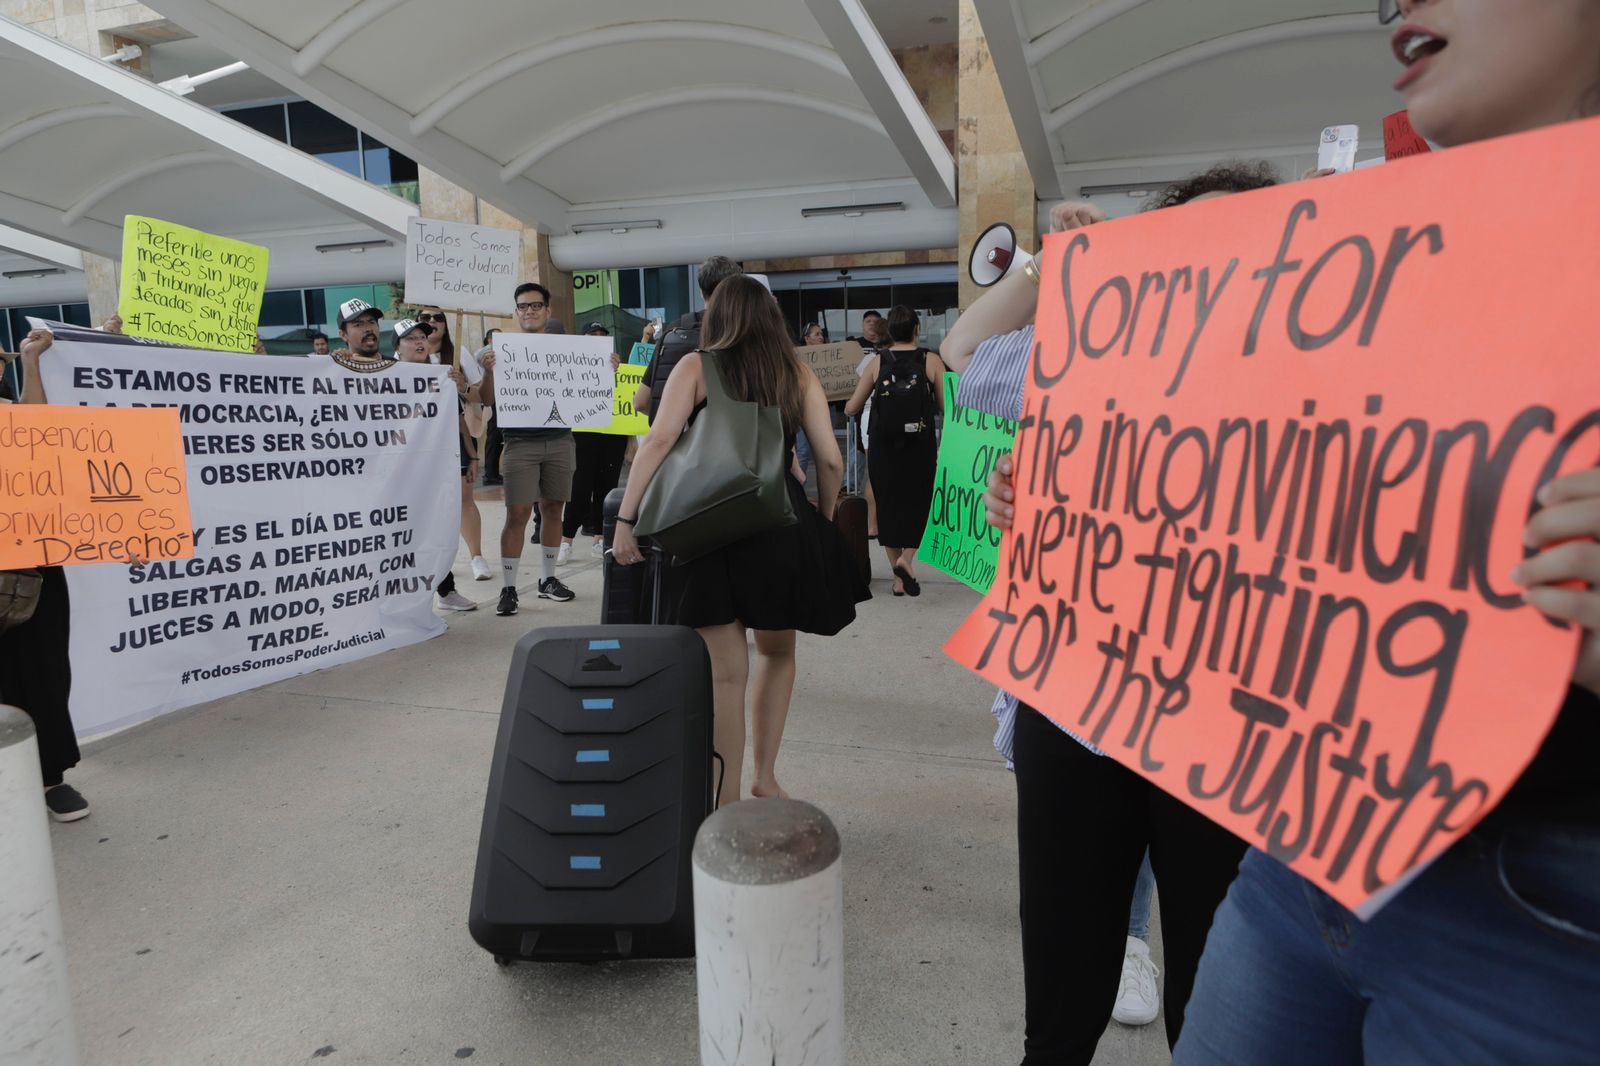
x: 996, y: 255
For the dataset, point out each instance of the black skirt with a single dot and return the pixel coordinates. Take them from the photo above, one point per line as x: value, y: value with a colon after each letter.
x: 902, y: 475
x: 796, y: 577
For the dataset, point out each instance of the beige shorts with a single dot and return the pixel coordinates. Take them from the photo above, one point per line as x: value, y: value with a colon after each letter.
x: 537, y: 470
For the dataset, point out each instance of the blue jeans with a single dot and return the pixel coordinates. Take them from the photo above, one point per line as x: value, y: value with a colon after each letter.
x: 1491, y: 956
x: 1143, y: 889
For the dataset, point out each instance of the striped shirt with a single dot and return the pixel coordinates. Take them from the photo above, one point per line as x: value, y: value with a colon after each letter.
x: 993, y: 384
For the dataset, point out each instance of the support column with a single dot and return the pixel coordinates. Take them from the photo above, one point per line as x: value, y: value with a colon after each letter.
x: 994, y: 182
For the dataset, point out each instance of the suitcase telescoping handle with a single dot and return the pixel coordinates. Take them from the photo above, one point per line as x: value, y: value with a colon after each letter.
x: 656, y: 560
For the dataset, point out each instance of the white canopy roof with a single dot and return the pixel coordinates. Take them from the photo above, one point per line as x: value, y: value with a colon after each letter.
x: 719, y: 122
x: 84, y: 143
x: 1108, y: 92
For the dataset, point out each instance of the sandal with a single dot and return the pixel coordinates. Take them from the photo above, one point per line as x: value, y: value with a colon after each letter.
x: 913, y: 587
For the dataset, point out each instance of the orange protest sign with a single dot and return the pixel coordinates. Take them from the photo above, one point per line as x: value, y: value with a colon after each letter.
x: 91, y: 485
x: 1276, y: 458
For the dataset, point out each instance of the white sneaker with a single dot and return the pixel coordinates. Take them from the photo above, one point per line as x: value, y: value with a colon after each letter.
x: 597, y: 549
x: 480, y: 569
x: 564, y: 555
x: 1138, y: 1002
x: 457, y: 602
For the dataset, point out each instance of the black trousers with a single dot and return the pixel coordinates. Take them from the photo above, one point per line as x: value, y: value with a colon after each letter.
x: 1083, y: 823
x: 598, y: 467
x: 36, y: 675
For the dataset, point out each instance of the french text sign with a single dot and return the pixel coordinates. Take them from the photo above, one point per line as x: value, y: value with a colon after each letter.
x: 187, y: 287
x: 1276, y: 457
x: 959, y: 540
x: 461, y: 266
x: 625, y: 421
x: 552, y: 381
x: 835, y: 366
x: 79, y: 485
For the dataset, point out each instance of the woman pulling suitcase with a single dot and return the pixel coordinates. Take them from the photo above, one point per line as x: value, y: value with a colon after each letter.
x: 795, y: 577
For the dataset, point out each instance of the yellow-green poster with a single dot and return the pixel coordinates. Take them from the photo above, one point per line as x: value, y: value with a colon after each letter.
x: 625, y: 421
x: 188, y: 287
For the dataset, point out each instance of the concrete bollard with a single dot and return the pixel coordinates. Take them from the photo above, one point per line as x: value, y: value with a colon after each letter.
x: 769, y: 936
x: 35, y: 999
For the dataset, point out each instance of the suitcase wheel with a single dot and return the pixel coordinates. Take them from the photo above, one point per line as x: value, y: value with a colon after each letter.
x: 501, y: 960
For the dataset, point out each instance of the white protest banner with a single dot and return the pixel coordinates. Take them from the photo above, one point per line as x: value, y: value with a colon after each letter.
x: 460, y: 266
x: 325, y: 509
x: 553, y: 381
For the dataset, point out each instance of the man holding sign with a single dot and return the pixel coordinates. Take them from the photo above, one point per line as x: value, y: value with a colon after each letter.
x: 538, y: 464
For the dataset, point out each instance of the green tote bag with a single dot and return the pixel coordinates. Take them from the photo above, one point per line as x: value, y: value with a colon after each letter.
x: 724, y: 478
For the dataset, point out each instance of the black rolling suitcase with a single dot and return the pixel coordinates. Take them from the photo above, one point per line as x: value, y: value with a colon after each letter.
x: 627, y: 593
x: 601, y: 778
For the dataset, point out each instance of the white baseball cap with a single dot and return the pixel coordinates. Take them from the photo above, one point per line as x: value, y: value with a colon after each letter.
x: 353, y: 309
x: 406, y: 325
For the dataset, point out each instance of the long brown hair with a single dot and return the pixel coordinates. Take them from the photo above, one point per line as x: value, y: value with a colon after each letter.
x: 744, y: 328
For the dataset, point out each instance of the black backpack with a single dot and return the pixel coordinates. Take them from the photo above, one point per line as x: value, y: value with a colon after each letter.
x: 902, y: 400
x: 678, y: 340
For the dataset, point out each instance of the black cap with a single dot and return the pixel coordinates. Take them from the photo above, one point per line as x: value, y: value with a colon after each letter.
x: 596, y: 327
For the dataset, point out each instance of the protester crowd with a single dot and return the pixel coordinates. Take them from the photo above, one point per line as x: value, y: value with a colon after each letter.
x: 1492, y: 953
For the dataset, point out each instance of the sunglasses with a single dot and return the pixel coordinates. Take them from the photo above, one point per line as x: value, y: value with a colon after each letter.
x: 425, y: 317
x: 532, y: 305
x: 1388, y: 11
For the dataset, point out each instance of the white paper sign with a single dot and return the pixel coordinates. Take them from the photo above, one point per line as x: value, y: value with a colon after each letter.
x: 325, y: 511
x: 553, y: 381
x: 461, y: 266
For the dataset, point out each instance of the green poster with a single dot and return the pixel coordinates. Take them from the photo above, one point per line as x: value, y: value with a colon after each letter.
x: 640, y: 354
x: 959, y: 541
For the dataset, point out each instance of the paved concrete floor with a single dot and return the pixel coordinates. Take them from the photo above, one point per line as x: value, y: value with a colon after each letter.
x: 283, y: 876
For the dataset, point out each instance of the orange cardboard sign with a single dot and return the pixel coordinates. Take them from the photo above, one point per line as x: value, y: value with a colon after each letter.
x: 91, y: 485
x: 1276, y: 458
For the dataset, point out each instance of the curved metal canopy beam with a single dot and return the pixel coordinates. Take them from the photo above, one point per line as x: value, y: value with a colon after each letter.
x: 1183, y: 58
x: 641, y: 105
x: 883, y: 84
x: 52, y: 119
x: 629, y: 33
x: 340, y: 30
x: 125, y: 178
x: 1078, y: 26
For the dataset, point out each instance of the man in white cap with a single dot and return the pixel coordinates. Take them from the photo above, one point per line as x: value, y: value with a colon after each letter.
x: 358, y: 325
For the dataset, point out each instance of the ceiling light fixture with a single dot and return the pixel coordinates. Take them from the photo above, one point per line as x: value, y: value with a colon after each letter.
x: 616, y: 227
x: 38, y: 272
x: 852, y: 210
x: 353, y: 247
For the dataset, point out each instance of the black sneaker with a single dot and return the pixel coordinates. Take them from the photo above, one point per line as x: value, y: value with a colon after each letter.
x: 66, y: 803
x: 551, y: 588
x: 508, y: 602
